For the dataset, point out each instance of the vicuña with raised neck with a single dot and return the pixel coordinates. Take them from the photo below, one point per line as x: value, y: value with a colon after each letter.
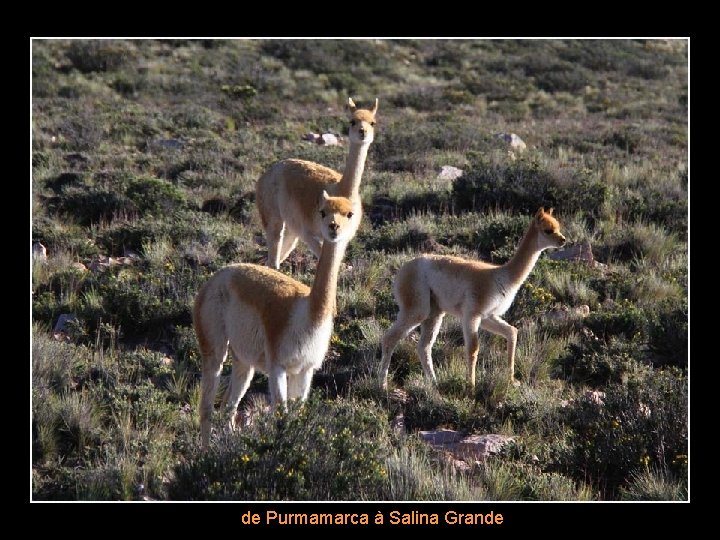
x: 479, y: 293
x: 286, y: 191
x: 269, y: 321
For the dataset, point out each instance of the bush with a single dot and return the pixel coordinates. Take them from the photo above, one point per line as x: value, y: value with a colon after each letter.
x: 319, y: 451
x: 642, y: 423
x: 523, y: 187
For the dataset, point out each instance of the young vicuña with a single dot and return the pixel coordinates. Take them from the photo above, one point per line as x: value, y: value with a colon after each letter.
x: 285, y: 193
x: 269, y: 321
x: 479, y: 293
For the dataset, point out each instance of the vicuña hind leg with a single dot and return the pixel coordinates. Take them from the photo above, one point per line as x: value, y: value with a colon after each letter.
x: 212, y: 366
x: 471, y: 324
x: 428, y: 334
x: 289, y: 242
x: 275, y: 235
x: 400, y: 328
x: 239, y: 382
x: 500, y: 327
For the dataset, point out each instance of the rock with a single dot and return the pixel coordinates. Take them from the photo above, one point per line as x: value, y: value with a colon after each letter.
x: 441, y: 437
x: 479, y: 447
x: 60, y: 331
x: 312, y: 137
x: 644, y: 410
x: 39, y: 252
x: 328, y: 139
x: 167, y: 361
x: 568, y: 314
x: 472, y: 447
x: 448, y: 172
x: 515, y: 142
x: 581, y: 251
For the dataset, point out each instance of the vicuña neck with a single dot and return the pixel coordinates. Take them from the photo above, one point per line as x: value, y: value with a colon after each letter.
x: 519, y: 267
x: 324, y: 288
x: 349, y: 184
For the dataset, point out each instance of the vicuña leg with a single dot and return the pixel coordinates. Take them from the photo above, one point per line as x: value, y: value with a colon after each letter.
x: 289, y: 242
x: 275, y: 235
x: 212, y: 366
x: 428, y: 334
x: 400, y: 328
x: 277, y: 381
x: 299, y: 384
x: 471, y: 324
x: 500, y: 327
x: 239, y: 382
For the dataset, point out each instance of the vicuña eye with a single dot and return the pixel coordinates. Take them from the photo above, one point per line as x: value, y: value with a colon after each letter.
x: 353, y: 122
x: 322, y: 213
x: 349, y: 215
x: 372, y: 124
x: 548, y: 231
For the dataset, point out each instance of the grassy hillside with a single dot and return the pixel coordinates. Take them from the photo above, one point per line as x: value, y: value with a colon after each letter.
x: 150, y: 150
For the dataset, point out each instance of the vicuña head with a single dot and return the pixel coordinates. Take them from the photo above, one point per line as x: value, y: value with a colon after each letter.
x: 287, y: 190
x: 479, y: 293
x: 269, y: 321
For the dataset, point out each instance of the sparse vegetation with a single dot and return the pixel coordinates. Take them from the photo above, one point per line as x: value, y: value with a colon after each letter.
x: 147, y: 151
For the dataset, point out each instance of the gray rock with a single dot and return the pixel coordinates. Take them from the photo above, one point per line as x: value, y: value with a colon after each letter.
x: 581, y: 251
x: 515, y: 142
x: 328, y: 139
x: 479, y: 447
x: 441, y: 437
x: 568, y: 314
x: 448, y: 172
x: 170, y: 144
x: 62, y: 322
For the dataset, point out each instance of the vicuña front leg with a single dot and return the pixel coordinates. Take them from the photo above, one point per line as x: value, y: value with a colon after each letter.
x: 299, y: 384
x: 277, y: 381
x: 471, y: 325
x: 498, y: 326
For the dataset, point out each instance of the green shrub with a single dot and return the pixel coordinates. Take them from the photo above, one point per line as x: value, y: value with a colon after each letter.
x: 319, y: 451
x: 154, y: 195
x: 642, y: 423
x: 523, y: 186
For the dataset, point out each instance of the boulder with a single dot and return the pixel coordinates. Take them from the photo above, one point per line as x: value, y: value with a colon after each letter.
x: 448, y: 172
x: 568, y: 314
x: 513, y: 141
x: 581, y: 251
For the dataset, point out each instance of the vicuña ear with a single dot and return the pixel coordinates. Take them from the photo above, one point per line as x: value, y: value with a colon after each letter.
x: 351, y: 105
x: 540, y: 212
x: 550, y: 211
x: 325, y: 195
x: 375, y: 107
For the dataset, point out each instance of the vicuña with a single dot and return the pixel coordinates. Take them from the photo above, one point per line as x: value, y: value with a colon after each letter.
x: 269, y: 321
x: 285, y: 193
x: 479, y: 293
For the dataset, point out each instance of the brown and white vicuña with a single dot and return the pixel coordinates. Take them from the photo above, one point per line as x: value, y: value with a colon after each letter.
x: 269, y: 321
x: 477, y: 292
x: 286, y: 192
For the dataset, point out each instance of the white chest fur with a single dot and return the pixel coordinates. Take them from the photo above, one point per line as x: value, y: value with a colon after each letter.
x: 304, y: 345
